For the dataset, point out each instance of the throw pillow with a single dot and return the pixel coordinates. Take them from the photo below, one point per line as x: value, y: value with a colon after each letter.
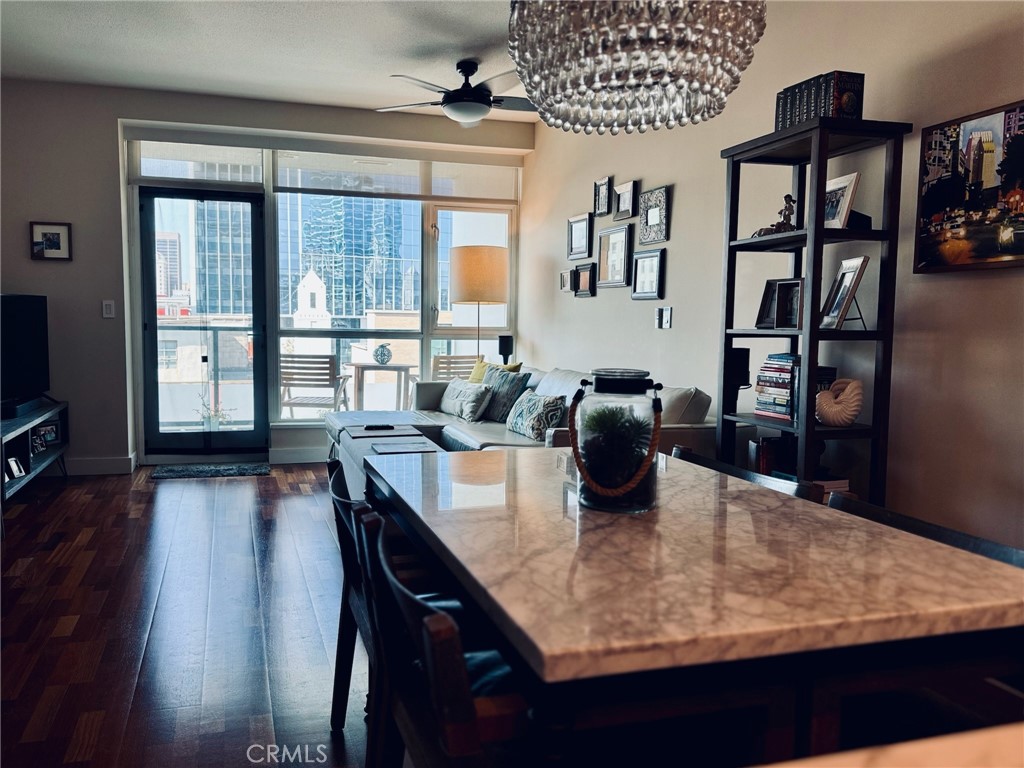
x: 481, y: 368
x: 532, y: 415
x: 506, y: 387
x: 465, y: 400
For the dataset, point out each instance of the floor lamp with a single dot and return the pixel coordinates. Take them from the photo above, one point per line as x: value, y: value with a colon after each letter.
x: 478, y: 275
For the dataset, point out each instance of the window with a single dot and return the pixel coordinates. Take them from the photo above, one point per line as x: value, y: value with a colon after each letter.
x: 167, y: 353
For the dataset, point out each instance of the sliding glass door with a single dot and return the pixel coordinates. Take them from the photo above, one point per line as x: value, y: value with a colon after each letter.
x: 204, y: 307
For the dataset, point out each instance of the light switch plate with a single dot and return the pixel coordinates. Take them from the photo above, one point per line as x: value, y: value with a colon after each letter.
x: 109, y: 308
x: 664, y: 317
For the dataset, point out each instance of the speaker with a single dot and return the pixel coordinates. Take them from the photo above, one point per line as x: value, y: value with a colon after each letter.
x: 737, y: 368
x: 505, y: 348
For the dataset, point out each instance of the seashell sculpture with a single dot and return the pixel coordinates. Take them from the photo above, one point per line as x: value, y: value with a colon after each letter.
x: 840, y: 404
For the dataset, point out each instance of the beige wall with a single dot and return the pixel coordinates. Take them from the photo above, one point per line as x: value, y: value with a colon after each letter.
x: 60, y: 155
x: 957, y: 433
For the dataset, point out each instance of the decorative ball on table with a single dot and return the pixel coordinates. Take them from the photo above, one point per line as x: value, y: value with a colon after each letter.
x: 382, y: 355
x: 840, y: 404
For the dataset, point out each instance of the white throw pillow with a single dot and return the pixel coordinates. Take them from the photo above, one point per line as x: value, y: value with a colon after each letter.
x: 465, y: 400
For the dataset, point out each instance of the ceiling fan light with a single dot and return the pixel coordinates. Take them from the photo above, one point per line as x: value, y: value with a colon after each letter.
x: 466, y: 111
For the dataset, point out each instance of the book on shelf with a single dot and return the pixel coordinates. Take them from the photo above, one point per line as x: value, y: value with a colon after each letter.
x: 832, y: 94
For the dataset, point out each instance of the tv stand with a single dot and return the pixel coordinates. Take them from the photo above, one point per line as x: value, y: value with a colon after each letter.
x: 33, y: 440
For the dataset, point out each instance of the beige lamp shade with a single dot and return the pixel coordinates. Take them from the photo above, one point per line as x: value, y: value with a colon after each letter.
x: 478, y: 273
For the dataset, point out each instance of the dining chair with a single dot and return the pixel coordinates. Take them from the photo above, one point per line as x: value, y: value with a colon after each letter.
x: 933, y: 531
x: 313, y: 372
x: 448, y: 706
x: 801, y: 489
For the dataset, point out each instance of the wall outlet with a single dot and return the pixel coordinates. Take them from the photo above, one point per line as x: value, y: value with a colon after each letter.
x: 109, y: 308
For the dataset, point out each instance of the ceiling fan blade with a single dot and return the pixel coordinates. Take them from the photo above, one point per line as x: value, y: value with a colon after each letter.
x: 501, y: 83
x: 410, y: 106
x: 513, y: 103
x: 423, y: 83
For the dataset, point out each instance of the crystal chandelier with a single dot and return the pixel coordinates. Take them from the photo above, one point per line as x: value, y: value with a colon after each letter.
x: 611, y: 65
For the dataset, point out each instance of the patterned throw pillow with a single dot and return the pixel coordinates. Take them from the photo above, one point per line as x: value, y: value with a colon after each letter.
x: 506, y: 387
x: 481, y: 367
x: 465, y: 400
x: 532, y: 415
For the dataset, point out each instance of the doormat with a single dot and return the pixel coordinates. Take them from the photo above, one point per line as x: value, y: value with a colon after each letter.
x: 174, y: 471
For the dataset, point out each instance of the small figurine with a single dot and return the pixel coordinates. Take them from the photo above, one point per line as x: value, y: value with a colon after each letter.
x: 786, y: 223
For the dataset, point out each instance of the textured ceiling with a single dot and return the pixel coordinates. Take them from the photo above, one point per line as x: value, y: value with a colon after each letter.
x: 336, y: 53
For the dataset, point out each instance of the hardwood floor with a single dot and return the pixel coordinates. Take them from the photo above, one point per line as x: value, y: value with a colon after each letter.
x: 173, y: 623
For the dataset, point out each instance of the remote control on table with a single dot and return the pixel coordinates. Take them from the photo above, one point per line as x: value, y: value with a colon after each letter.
x: 369, y: 427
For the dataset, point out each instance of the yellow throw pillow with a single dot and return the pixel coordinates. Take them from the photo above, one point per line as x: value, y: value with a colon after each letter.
x: 477, y: 376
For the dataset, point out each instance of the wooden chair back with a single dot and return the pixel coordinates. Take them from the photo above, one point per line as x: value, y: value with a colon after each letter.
x: 801, y: 489
x: 312, y: 372
x: 448, y: 367
x: 953, y: 538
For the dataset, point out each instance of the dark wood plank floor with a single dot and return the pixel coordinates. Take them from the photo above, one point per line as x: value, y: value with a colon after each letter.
x: 173, y: 623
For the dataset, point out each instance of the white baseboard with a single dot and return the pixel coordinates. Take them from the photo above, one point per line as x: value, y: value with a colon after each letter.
x: 100, y: 465
x: 310, y: 455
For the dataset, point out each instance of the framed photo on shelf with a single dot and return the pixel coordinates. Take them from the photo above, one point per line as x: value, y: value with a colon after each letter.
x: 654, y: 208
x: 50, y: 241
x: 789, y: 304
x: 585, y: 280
x: 613, y: 256
x: 566, y: 280
x: 626, y: 200
x: 648, y: 274
x: 603, y: 196
x: 840, y: 295
x: 578, y: 240
x: 15, y: 467
x: 766, y: 312
x: 970, y: 215
x: 50, y: 433
x: 839, y: 194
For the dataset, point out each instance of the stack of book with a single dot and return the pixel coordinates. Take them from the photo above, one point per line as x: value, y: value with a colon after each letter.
x: 778, y: 385
x: 834, y: 94
x: 774, y: 386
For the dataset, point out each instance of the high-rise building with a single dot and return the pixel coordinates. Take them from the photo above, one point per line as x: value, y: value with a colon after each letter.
x: 168, y: 263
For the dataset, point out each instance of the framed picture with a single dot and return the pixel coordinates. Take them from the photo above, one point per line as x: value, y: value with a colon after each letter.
x: 653, y: 226
x: 580, y: 228
x: 970, y: 204
x: 15, y: 467
x: 766, y: 312
x: 789, y: 304
x: 648, y: 268
x: 840, y: 295
x: 613, y: 256
x: 585, y: 280
x: 839, y: 200
x: 50, y: 241
x: 626, y: 200
x: 567, y: 280
x: 50, y: 433
x: 38, y: 446
x: 603, y: 196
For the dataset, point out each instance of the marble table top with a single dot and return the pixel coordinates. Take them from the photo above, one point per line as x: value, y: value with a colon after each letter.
x: 720, y: 570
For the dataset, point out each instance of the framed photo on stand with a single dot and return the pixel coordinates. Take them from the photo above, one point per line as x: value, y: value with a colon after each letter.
x: 789, y: 304
x: 766, y: 312
x: 841, y: 294
x: 839, y: 194
x: 613, y: 256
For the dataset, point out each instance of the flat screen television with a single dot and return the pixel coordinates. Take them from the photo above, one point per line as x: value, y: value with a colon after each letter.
x: 24, y: 351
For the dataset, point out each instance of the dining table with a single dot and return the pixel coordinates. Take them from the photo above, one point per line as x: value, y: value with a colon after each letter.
x: 401, y: 371
x: 723, y: 588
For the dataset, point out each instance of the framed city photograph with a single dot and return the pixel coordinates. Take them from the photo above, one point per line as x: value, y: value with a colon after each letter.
x: 585, y: 280
x: 839, y: 194
x: 654, y: 210
x: 50, y: 241
x: 840, y: 295
x: 648, y: 271
x: 578, y: 238
x: 970, y: 205
x: 603, y: 196
x: 566, y: 280
x: 626, y: 200
x: 613, y: 256
x: 789, y: 304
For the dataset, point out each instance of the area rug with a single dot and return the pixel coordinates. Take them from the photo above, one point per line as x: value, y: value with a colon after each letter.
x: 175, y: 471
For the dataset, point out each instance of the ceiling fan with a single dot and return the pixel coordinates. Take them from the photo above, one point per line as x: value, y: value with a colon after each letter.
x: 468, y: 104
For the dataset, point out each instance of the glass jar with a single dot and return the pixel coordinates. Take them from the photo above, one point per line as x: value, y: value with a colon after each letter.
x: 615, y: 441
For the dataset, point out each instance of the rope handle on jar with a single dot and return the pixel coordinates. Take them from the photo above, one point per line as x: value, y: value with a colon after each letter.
x: 641, y: 472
